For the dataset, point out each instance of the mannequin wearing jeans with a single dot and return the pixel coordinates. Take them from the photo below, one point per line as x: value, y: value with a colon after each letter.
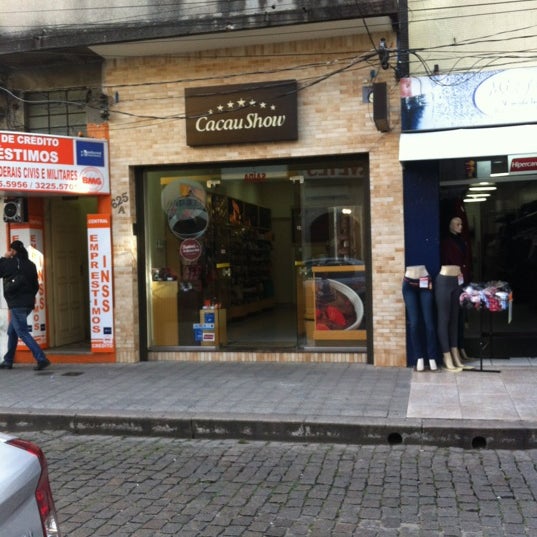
x: 447, y: 292
x: 419, y: 302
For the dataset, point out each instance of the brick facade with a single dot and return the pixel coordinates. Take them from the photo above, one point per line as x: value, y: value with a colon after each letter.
x: 332, y: 120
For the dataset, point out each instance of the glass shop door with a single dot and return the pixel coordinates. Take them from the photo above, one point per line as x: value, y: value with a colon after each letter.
x: 260, y: 305
x: 259, y: 256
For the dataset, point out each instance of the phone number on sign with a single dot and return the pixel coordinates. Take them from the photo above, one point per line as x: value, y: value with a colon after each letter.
x: 53, y: 186
x: 30, y: 185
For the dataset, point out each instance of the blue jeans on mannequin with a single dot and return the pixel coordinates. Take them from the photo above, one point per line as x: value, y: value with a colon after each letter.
x: 18, y: 328
x: 419, y: 304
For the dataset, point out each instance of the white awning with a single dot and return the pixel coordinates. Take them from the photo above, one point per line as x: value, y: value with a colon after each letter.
x: 461, y: 143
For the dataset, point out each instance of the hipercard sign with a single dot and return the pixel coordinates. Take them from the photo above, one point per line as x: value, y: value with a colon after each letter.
x: 100, y: 283
x: 53, y: 164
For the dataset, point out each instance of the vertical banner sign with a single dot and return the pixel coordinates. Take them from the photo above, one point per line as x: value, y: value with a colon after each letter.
x: 31, y: 234
x: 100, y: 283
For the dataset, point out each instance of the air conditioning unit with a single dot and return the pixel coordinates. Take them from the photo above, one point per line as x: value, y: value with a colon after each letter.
x: 14, y: 210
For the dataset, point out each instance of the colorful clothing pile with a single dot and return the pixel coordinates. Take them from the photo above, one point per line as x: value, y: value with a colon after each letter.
x: 493, y: 296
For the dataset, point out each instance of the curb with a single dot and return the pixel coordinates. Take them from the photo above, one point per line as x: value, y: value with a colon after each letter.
x: 466, y: 434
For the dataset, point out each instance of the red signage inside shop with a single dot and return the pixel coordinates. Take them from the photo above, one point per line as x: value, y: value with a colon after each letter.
x: 190, y: 250
x: 523, y: 164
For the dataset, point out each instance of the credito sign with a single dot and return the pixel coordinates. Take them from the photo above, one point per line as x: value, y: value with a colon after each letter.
x: 52, y: 164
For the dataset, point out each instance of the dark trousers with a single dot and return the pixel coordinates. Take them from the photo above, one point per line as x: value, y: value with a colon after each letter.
x: 419, y: 304
x: 447, y: 293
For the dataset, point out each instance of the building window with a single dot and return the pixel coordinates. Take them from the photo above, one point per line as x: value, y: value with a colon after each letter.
x: 59, y: 112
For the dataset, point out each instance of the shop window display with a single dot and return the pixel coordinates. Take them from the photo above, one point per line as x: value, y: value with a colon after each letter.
x: 503, y: 231
x: 223, y: 255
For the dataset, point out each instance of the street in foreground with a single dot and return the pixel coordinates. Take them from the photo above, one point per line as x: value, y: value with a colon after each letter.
x: 154, y: 487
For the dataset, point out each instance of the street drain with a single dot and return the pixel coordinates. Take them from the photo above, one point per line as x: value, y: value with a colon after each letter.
x: 479, y: 442
x: 72, y: 374
x: 395, y: 439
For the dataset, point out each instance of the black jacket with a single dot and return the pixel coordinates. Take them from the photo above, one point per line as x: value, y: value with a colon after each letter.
x: 24, y: 295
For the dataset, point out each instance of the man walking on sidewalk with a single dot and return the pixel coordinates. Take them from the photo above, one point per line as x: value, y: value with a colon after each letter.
x: 20, y: 287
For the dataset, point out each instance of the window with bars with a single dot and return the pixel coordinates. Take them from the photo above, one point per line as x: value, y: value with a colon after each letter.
x: 60, y: 112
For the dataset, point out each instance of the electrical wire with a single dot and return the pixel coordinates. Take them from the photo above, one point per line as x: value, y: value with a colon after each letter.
x: 175, y: 12
x: 209, y: 11
x: 360, y: 61
x: 418, y: 53
x: 481, y: 59
x: 184, y: 11
x: 304, y: 84
x: 369, y: 56
x: 458, y: 11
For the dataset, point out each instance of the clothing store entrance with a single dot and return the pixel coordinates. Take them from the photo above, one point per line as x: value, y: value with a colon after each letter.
x: 503, y: 237
x: 233, y: 254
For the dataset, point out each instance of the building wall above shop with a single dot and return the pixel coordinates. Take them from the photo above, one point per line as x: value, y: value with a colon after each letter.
x: 462, y: 36
x: 30, y: 28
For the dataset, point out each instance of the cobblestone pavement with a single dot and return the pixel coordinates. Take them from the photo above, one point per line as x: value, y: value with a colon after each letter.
x: 154, y: 487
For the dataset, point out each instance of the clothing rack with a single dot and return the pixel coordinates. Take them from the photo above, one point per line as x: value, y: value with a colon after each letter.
x: 488, y: 298
x: 485, y: 341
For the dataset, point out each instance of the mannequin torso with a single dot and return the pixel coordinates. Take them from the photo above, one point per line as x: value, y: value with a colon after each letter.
x: 450, y: 270
x: 416, y: 271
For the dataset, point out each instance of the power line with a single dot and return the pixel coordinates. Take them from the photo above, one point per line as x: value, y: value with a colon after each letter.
x: 465, y: 4
x: 304, y: 84
x: 167, y: 12
x: 445, y: 52
x: 175, y: 11
x: 282, y: 34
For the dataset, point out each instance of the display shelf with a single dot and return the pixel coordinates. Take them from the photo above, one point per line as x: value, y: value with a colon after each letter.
x: 165, y: 315
x: 242, y: 237
x: 251, y: 271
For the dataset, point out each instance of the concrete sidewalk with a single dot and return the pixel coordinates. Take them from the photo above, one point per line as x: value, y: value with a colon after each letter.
x: 354, y: 403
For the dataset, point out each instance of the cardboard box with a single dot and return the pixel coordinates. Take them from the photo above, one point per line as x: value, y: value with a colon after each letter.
x: 213, y: 322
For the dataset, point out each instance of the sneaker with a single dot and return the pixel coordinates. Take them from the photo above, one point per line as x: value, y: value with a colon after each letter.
x: 6, y: 365
x: 41, y: 365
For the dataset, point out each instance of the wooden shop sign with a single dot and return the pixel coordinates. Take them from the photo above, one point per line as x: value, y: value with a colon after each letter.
x: 241, y: 113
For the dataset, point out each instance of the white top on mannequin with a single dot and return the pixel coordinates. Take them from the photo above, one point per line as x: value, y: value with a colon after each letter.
x: 450, y: 270
x: 416, y: 271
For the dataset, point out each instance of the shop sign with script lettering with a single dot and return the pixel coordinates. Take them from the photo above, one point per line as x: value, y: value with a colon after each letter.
x: 242, y: 113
